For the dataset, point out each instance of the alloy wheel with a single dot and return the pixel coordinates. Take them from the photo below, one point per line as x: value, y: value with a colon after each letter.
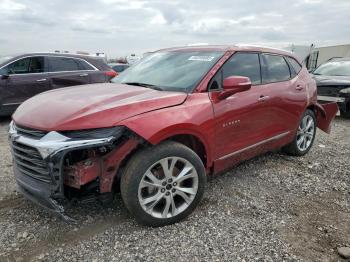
x: 306, y: 132
x: 168, y: 187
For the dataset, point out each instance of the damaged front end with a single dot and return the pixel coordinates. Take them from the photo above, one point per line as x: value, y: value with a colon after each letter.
x: 52, y: 168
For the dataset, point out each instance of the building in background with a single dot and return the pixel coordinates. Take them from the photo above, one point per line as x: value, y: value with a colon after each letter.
x: 323, y: 54
x: 302, y: 52
x: 131, y: 59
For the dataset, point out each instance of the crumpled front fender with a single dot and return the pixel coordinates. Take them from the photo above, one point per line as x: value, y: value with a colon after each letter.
x: 325, y: 114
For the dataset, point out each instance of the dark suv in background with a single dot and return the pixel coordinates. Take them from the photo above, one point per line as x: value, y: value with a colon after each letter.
x: 333, y: 83
x: 24, y: 76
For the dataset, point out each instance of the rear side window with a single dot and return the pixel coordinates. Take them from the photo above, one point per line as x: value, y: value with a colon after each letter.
x: 59, y: 64
x: 296, y: 67
x: 243, y: 64
x: 84, y: 65
x: 119, y: 68
x: 275, y: 69
x: 27, y: 65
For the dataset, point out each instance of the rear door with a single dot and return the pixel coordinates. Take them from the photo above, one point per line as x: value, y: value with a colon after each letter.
x: 284, y: 93
x: 26, y: 78
x: 67, y: 71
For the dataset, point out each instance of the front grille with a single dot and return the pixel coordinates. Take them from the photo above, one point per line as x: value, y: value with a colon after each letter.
x: 30, y: 163
x: 28, y: 132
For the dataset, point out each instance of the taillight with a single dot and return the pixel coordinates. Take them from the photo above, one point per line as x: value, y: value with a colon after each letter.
x: 111, y: 73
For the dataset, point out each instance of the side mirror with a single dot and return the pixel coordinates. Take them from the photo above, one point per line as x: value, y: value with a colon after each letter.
x: 233, y: 85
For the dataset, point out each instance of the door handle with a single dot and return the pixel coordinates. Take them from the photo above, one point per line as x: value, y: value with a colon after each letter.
x: 83, y: 75
x: 299, y: 87
x: 41, y: 80
x: 263, y: 98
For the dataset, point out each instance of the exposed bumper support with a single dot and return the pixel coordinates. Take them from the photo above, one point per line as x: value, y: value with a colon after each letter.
x: 40, y: 194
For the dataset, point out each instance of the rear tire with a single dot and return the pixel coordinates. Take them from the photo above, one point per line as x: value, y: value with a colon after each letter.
x: 163, y: 184
x: 304, y: 137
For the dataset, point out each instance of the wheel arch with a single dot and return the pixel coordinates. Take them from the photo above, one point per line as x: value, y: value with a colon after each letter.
x: 191, y: 139
x: 187, y: 134
x: 194, y: 143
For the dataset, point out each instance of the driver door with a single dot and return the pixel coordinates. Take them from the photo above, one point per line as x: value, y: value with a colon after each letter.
x: 241, y: 119
x: 26, y: 77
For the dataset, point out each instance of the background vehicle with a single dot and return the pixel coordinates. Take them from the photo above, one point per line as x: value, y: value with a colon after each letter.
x: 118, y: 67
x: 24, y: 76
x: 333, y: 83
x: 164, y: 125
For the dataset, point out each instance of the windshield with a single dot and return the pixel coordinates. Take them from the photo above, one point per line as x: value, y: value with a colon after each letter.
x: 170, y: 71
x: 336, y: 68
x: 4, y: 59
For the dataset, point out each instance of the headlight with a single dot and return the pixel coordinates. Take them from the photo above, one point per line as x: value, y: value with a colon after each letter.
x: 115, y: 132
x: 11, y: 128
x: 345, y: 91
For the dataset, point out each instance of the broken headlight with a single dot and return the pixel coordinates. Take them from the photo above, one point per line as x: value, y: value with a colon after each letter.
x: 98, y: 133
x: 345, y: 91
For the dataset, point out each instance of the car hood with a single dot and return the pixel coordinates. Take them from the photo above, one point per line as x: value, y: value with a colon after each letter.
x: 323, y: 80
x: 91, y: 106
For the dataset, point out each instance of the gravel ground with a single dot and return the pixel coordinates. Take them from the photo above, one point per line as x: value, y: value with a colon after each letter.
x: 271, y: 208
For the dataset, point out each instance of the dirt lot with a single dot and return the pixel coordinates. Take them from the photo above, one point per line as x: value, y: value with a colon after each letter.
x: 271, y: 208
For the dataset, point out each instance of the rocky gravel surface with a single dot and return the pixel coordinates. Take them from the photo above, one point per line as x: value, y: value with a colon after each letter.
x: 271, y: 208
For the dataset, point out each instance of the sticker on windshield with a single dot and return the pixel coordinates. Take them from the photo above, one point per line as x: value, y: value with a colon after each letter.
x: 201, y: 58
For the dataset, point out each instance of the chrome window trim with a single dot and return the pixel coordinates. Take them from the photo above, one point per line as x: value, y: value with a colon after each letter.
x: 11, y: 104
x: 48, y: 72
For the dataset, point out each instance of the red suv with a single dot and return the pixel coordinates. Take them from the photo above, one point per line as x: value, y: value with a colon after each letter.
x: 162, y: 127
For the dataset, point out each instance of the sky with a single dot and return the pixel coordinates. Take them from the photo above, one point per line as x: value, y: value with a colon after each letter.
x: 123, y: 27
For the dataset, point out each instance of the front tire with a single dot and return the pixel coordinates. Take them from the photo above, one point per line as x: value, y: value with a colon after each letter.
x: 304, y: 137
x: 163, y: 184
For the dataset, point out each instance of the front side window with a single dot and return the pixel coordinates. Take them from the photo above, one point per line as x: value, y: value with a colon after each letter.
x: 275, y: 69
x: 61, y: 64
x: 243, y: 64
x: 83, y: 65
x: 170, y: 70
x: 19, y: 67
x: 29, y: 65
x: 3, y: 71
x: 334, y: 68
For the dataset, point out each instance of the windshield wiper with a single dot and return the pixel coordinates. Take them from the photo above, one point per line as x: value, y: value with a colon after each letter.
x: 144, y: 85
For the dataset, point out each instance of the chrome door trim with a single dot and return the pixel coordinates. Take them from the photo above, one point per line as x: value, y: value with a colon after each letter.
x: 255, y: 145
x: 11, y: 104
